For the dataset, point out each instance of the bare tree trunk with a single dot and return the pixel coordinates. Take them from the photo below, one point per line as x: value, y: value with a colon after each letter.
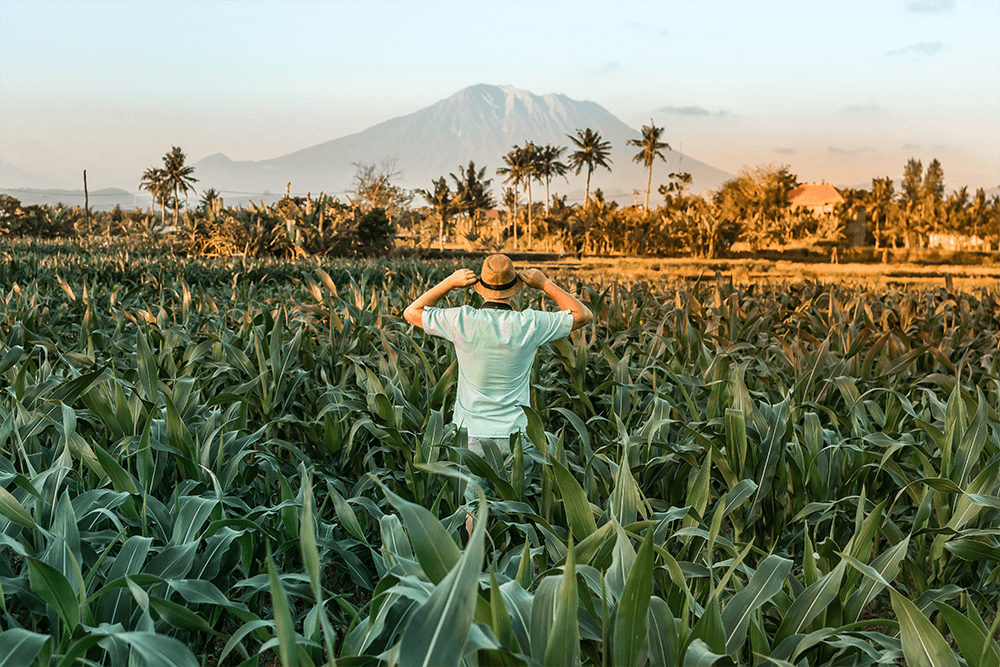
x: 529, y: 212
x: 547, y: 197
x: 649, y: 182
x: 586, y: 197
x: 86, y: 201
x: 515, y: 215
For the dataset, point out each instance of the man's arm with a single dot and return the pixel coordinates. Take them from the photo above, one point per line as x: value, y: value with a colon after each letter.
x: 566, y: 301
x: 414, y: 313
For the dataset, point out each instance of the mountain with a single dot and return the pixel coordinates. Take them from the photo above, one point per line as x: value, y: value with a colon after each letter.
x: 479, y: 123
x: 14, y: 177
x: 104, y: 199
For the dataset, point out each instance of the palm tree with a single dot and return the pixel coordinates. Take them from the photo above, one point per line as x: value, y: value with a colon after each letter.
x: 591, y: 152
x: 444, y: 203
x: 547, y: 165
x: 881, y: 199
x: 510, y: 201
x: 473, y: 190
x: 209, y: 198
x: 516, y: 171
x: 530, y: 153
x: 154, y: 181
x: 178, y: 176
x: 650, y: 148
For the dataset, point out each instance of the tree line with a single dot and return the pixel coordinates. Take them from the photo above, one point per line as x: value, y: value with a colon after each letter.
x: 752, y: 208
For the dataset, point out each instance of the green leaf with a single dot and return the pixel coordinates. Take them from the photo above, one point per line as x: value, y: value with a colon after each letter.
x: 977, y: 649
x: 886, y: 566
x: 625, y: 501
x: 973, y: 550
x: 345, y: 514
x: 180, y: 616
x: 535, y: 430
x: 53, y: 587
x: 578, y: 512
x: 20, y: 647
x: 437, y: 632
x: 810, y: 603
x: 765, y: 583
x: 158, y: 650
x: 709, y: 627
x: 663, y: 639
x: 148, y: 371
x: 699, y: 654
x: 434, y: 547
x: 307, y: 537
x: 771, y: 450
x: 736, y: 440
x: 622, y: 560
x: 12, y: 510
x: 285, y: 629
x: 971, y: 445
x: 11, y: 357
x: 923, y: 645
x: 499, y: 615
x: 563, y: 645
x: 630, y: 623
x: 120, y: 479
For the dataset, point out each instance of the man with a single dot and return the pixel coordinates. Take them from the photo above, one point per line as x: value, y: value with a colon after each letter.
x: 495, y: 344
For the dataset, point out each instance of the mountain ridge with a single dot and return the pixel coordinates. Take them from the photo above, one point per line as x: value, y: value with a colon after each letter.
x: 480, y: 123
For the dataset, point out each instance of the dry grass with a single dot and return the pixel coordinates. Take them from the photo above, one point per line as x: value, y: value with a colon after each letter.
x: 957, y: 277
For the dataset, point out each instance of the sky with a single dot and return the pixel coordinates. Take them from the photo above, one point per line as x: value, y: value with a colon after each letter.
x: 840, y: 91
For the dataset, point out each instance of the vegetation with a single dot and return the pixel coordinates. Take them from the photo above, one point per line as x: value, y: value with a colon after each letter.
x: 591, y: 152
x: 650, y: 148
x: 223, y: 461
x: 752, y: 209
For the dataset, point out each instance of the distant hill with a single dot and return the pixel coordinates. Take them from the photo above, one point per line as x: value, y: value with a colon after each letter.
x: 100, y: 200
x: 14, y: 177
x: 479, y: 123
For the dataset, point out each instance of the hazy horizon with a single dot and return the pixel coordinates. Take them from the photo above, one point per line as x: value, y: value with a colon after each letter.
x: 838, y: 93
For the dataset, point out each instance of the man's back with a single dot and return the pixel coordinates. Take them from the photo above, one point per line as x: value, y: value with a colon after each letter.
x: 495, y: 351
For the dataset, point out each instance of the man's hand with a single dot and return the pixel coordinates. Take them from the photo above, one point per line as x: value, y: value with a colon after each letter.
x: 533, y: 278
x: 566, y: 301
x: 414, y: 313
x: 462, y: 278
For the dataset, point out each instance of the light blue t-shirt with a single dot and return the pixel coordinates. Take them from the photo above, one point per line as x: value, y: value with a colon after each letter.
x: 495, y: 350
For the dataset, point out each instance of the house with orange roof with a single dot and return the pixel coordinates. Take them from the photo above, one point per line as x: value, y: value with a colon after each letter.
x: 818, y: 198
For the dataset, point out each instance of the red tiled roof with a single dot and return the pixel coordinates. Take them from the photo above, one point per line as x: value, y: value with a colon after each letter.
x: 814, y: 195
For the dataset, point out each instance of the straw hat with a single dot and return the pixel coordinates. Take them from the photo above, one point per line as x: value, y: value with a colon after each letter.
x: 498, y: 279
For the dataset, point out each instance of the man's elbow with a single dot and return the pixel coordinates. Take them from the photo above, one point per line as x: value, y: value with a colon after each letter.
x: 582, y: 318
x: 413, y: 316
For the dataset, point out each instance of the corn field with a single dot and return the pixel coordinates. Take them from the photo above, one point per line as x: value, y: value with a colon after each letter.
x: 250, y: 462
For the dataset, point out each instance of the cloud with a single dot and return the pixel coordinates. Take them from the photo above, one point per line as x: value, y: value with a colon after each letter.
x: 926, y: 48
x: 636, y: 25
x: 929, y: 6
x: 850, y: 151
x: 609, y: 69
x: 861, y: 109
x: 786, y: 151
x: 910, y: 147
x: 691, y: 111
